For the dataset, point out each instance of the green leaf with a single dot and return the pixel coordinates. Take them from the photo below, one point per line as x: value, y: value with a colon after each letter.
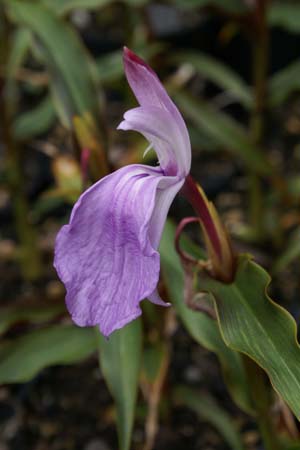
x: 33, y: 314
x: 285, y: 14
x: 120, y: 359
x: 224, y: 130
x: 22, y: 358
x: 208, y: 410
x: 283, y: 83
x: 35, y: 121
x: 201, y: 327
x: 46, y: 205
x: 66, y: 6
x: 293, y: 447
x: 136, y: 2
x: 69, y: 65
x: 201, y: 141
x: 21, y: 42
x: 153, y: 358
x: 20, y: 45
x: 290, y: 253
x: 251, y: 323
x: 293, y: 186
x: 110, y: 67
x: 220, y: 74
x: 233, y: 6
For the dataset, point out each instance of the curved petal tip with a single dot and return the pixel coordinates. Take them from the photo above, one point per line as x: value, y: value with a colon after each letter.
x: 130, y: 56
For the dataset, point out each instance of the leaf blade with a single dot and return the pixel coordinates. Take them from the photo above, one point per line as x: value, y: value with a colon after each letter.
x: 69, y: 65
x: 253, y: 324
x: 201, y: 327
x: 66, y: 6
x: 33, y: 314
x: 286, y: 15
x: 210, y: 411
x: 232, y: 6
x: 224, y: 130
x: 283, y: 83
x: 120, y: 359
x: 220, y: 74
x: 35, y: 121
x: 24, y: 357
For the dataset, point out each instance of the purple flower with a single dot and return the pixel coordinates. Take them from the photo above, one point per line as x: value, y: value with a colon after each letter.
x: 107, y: 255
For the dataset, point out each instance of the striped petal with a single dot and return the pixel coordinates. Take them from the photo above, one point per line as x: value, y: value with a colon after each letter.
x: 107, y: 255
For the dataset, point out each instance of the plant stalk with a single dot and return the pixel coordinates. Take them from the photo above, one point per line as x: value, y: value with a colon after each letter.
x: 217, y: 241
x: 261, y: 398
x: 260, y: 61
x: 29, y: 256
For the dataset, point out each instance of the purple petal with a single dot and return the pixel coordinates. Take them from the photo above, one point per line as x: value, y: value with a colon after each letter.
x: 164, y: 198
x: 107, y: 256
x: 149, y: 92
x: 145, y: 84
x: 158, y: 126
x: 165, y: 194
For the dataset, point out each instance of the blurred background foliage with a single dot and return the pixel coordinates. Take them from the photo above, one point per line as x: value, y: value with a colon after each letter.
x: 233, y: 68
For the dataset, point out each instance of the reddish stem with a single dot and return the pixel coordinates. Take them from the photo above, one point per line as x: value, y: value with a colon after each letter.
x: 183, y: 255
x: 84, y: 163
x: 191, y: 192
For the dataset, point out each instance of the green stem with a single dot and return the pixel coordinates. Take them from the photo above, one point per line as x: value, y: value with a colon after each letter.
x: 257, y: 122
x: 29, y: 256
x: 261, y: 398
